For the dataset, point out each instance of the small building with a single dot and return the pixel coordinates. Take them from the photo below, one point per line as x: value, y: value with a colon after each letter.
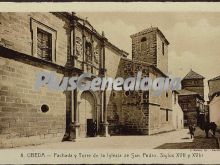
x: 192, y: 105
x: 194, y: 82
x: 191, y: 99
x: 214, y: 100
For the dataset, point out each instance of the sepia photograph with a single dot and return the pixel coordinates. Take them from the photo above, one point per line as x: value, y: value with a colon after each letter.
x: 113, y: 80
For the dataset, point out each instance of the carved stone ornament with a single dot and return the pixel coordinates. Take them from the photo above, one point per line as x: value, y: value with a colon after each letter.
x: 88, y: 51
x: 96, y: 53
x: 79, y: 48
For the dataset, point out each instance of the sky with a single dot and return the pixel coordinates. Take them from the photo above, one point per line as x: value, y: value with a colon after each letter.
x: 194, y: 37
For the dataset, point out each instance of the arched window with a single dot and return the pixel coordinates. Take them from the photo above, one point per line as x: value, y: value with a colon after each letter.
x: 143, y: 39
x: 144, y: 44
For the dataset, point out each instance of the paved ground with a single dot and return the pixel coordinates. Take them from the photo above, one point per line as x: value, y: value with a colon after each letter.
x: 122, y: 142
x: 199, y: 142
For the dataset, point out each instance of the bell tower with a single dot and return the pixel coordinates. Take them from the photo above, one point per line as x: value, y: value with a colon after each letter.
x: 151, y: 46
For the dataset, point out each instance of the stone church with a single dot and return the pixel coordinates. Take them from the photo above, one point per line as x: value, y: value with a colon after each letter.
x: 68, y: 45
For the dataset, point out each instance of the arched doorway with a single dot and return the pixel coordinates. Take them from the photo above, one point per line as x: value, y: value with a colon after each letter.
x: 87, y: 114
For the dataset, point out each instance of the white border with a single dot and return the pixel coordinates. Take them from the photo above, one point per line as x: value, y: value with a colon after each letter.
x: 111, y: 7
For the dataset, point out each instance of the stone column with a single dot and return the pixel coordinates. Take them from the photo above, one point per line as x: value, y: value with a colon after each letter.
x: 84, y: 68
x: 104, y: 122
x: 76, y: 116
x: 73, y: 42
x: 74, y: 126
x: 92, y: 54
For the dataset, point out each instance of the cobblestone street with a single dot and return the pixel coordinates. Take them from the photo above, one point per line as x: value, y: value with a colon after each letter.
x: 122, y: 142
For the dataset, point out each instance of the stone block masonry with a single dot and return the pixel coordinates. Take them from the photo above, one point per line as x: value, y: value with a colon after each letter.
x: 151, y: 46
x: 145, y: 50
x: 140, y: 112
x: 22, y: 121
x: 16, y: 33
x: 130, y: 109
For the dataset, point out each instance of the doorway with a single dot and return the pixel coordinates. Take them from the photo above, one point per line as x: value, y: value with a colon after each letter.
x: 87, y: 114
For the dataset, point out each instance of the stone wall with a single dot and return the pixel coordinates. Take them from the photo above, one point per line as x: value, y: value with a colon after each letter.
x: 195, y: 85
x: 199, y: 90
x: 157, y: 120
x: 135, y: 107
x: 214, y: 107
x: 16, y: 34
x: 214, y: 87
x: 162, y: 57
x: 178, y: 119
x: 141, y: 112
x: 112, y: 63
x: 148, y: 47
x: 188, y: 104
x: 145, y: 50
x: 160, y: 107
x: 126, y: 113
x: 21, y: 120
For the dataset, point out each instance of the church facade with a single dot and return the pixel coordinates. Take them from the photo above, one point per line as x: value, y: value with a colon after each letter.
x: 69, y: 46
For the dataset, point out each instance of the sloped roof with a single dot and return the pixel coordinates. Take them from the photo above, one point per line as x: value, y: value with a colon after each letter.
x: 193, y: 75
x: 215, y: 78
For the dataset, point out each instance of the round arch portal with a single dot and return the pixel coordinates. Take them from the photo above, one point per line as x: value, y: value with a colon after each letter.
x: 87, y: 113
